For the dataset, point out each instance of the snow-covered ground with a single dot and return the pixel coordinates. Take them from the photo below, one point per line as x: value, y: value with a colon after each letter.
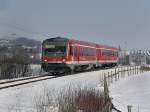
x: 23, y: 97
x: 35, y: 69
x: 134, y: 91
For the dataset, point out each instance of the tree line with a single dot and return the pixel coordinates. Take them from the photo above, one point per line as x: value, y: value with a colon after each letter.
x: 14, y: 63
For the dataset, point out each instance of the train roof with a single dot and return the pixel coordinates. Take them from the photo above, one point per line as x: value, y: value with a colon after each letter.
x: 57, y: 39
x: 63, y: 39
x: 92, y: 44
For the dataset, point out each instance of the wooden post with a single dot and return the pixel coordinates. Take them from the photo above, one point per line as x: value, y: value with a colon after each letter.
x: 129, y: 108
x: 111, y: 77
x: 106, y: 92
x: 120, y: 72
x: 125, y: 72
x: 135, y: 70
x: 108, y: 78
x: 140, y: 69
x: 128, y: 68
x: 116, y: 74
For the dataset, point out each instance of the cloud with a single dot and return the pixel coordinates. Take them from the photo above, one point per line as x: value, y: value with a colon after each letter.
x: 4, y: 4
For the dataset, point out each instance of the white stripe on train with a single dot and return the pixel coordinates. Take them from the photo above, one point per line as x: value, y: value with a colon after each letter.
x: 85, y: 62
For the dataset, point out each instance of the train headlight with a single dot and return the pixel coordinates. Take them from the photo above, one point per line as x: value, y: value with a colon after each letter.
x: 45, y: 60
x: 63, y: 60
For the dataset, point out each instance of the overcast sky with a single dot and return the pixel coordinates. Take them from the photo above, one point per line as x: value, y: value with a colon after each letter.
x: 113, y: 22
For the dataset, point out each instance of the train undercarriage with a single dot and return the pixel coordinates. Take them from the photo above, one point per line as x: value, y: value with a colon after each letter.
x: 63, y: 68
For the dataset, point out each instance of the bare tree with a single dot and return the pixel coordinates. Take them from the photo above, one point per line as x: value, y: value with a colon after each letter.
x: 14, y: 64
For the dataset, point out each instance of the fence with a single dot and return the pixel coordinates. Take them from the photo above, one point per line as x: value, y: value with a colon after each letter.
x: 118, y: 73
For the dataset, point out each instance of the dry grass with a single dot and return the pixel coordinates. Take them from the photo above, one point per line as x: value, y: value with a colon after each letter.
x: 75, y: 100
x: 145, y: 68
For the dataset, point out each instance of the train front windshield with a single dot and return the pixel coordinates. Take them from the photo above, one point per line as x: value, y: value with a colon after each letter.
x: 55, y: 49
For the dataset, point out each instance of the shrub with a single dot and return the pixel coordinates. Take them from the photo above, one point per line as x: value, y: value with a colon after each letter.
x: 15, y: 65
x: 76, y: 100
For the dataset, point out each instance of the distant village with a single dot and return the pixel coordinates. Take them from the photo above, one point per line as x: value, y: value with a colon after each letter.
x: 30, y: 47
x: 134, y: 57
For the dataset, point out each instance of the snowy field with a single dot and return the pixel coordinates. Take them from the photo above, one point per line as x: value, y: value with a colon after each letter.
x: 22, y: 98
x: 133, y: 90
x: 35, y: 69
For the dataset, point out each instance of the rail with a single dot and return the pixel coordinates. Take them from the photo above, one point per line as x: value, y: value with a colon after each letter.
x: 17, y: 82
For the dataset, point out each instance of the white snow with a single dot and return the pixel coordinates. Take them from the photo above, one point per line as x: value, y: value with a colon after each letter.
x: 35, y: 69
x: 134, y: 91
x: 24, y: 97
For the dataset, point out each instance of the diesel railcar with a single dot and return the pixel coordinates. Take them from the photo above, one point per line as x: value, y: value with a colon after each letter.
x: 63, y: 55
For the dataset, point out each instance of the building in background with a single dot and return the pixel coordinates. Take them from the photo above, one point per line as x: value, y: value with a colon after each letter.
x: 134, y: 57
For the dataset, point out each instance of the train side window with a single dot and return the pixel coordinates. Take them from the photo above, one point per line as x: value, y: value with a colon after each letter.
x: 109, y: 53
x: 90, y: 51
x: 113, y: 53
x: 86, y: 51
x: 103, y: 53
x: 117, y: 54
x: 71, y: 51
x: 75, y: 51
x: 83, y: 51
x: 80, y: 51
x: 99, y: 51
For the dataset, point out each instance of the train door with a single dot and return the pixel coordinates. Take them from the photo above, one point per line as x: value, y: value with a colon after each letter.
x: 74, y: 56
x: 78, y: 54
x: 97, y: 57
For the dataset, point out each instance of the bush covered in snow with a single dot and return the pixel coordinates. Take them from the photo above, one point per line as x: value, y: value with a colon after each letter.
x: 74, y: 100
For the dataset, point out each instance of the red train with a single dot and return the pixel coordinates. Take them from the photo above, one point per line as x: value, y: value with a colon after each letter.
x: 61, y: 55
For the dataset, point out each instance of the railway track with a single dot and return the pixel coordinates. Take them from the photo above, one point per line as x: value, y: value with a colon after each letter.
x: 27, y: 80
x: 22, y: 81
